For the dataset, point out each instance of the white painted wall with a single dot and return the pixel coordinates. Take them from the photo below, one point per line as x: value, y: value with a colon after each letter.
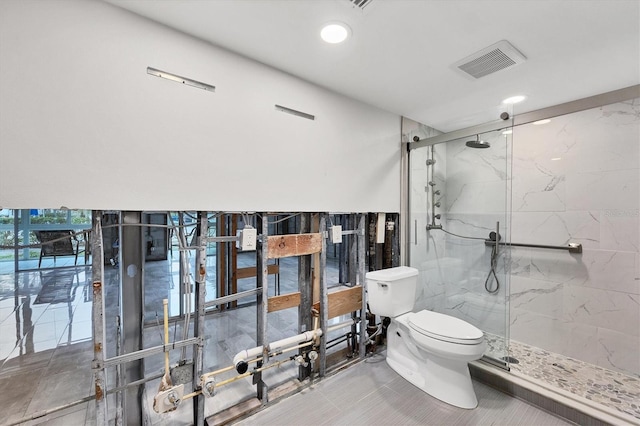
x: 82, y: 125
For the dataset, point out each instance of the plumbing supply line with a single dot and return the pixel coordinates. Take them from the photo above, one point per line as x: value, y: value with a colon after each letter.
x: 225, y: 369
x: 375, y: 333
x: 340, y: 337
x: 165, y: 382
x: 241, y: 376
x: 338, y: 340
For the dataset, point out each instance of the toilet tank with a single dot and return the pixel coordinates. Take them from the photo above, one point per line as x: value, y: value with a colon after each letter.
x: 392, y: 292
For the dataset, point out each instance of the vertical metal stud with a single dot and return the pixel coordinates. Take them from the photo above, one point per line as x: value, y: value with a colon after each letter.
x: 324, y: 298
x: 304, y: 286
x: 221, y: 260
x: 202, y: 231
x: 361, y: 276
x: 97, y: 314
x: 262, y: 282
x: 353, y: 256
x: 343, y: 260
x: 132, y: 306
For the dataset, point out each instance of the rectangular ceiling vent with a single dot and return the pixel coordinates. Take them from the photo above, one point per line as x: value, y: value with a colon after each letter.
x: 494, y: 58
x: 360, y: 3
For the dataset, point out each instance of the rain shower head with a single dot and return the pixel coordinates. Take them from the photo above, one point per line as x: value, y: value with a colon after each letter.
x: 478, y: 143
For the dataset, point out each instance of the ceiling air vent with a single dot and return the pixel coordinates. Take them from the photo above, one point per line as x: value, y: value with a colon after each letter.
x: 491, y: 59
x: 360, y: 3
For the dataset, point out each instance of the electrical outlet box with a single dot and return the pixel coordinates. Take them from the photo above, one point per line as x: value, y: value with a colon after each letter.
x: 335, y: 235
x: 248, y: 237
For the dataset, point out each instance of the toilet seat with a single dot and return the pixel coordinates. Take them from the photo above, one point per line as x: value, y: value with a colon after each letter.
x: 444, y: 327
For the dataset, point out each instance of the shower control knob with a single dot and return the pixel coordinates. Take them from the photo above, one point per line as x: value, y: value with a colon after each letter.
x: 430, y: 162
x: 437, y: 192
x: 432, y: 183
x: 437, y: 216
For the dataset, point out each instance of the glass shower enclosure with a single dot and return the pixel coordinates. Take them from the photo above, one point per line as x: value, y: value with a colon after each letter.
x: 459, y: 206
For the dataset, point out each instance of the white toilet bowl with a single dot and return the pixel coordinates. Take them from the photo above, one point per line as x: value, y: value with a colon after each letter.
x: 438, y: 366
x: 429, y: 349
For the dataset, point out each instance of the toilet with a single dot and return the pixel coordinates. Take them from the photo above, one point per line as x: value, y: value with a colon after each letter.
x: 428, y: 349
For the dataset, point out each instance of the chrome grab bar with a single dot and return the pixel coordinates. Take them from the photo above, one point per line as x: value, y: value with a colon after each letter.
x: 571, y: 247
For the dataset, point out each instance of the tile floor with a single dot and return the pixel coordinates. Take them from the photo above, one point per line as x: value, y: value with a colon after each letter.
x: 371, y: 393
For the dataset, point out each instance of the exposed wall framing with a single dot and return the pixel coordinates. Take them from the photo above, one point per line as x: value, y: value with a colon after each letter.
x: 309, y: 245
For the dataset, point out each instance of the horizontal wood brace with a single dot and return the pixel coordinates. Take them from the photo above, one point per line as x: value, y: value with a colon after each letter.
x: 284, y: 301
x: 343, y: 302
x: 293, y: 245
x: 251, y: 271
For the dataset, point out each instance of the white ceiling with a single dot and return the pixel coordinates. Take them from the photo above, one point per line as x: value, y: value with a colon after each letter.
x: 401, y: 53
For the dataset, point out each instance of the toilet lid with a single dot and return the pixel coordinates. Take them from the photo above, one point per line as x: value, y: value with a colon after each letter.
x: 445, y: 327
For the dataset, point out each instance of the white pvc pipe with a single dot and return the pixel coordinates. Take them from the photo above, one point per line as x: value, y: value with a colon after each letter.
x: 248, y: 354
x: 294, y: 340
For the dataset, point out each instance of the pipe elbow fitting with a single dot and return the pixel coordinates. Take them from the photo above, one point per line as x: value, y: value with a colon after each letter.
x: 240, y: 357
x: 242, y: 367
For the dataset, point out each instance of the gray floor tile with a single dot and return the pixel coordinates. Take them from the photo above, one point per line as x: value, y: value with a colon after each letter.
x: 373, y: 394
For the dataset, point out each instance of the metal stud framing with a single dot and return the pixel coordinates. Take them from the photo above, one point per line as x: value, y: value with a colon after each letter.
x: 198, y: 325
x: 262, y: 282
x: 304, y: 286
x: 324, y: 301
x: 361, y: 275
x: 131, y: 306
x: 133, y: 256
x: 97, y: 268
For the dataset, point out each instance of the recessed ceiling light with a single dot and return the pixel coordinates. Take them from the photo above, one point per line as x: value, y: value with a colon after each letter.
x: 514, y: 99
x: 335, y: 32
x: 539, y: 122
x: 507, y: 132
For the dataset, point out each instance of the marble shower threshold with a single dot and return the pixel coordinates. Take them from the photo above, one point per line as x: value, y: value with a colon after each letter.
x: 576, y: 390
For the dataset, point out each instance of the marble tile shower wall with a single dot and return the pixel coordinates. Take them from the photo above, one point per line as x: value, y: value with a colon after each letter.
x: 577, y: 179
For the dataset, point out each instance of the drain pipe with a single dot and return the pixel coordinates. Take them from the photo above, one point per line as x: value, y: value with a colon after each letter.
x: 241, y: 359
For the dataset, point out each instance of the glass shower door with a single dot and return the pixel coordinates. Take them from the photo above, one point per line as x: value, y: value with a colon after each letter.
x: 459, y: 209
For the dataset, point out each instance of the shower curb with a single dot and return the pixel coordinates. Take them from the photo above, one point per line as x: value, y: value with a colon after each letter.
x: 563, y: 404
